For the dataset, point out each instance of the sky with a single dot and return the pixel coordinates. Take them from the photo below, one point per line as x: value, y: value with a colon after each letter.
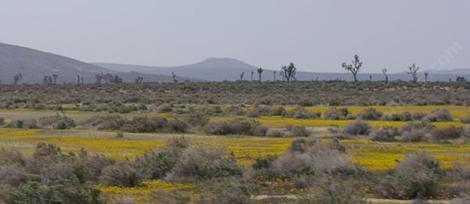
x: 315, y: 35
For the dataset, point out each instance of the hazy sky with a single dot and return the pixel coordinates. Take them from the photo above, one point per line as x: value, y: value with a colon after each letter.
x: 316, y: 35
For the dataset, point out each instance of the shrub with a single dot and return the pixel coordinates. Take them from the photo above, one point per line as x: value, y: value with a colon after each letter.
x: 357, y: 127
x: 415, y: 135
x: 259, y: 110
x: 385, y: 134
x: 237, y: 126
x: 108, y: 122
x: 369, y: 114
x: 2, y: 121
x: 157, y: 163
x: 95, y: 163
x: 438, y: 115
x: 447, y: 133
x: 260, y: 130
x: 145, y: 124
x: 164, y: 108
x: 198, y: 163
x: 298, y: 131
x: 11, y: 157
x: 337, y: 114
x: 56, y: 122
x: 197, y: 119
x: 466, y: 132
x: 417, y: 125
x: 310, y: 157
x: 161, y: 196
x: 301, y: 113
x: 416, y: 176
x: 176, y: 125
x: 275, y: 133
x: 227, y: 191
x: 122, y: 173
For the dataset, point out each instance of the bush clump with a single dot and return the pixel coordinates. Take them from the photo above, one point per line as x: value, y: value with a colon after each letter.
x: 310, y: 157
x: 56, y: 122
x: 438, y: 115
x: 369, y: 114
x: 122, y: 173
x: 301, y: 113
x: 237, y: 126
x: 337, y: 114
x: 199, y: 163
x: 384, y: 134
x: 357, y: 127
x: 416, y: 176
x: 447, y: 133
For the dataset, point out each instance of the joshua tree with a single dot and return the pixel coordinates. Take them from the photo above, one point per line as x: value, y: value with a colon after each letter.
x: 460, y: 79
x: 384, y: 72
x: 288, y: 72
x: 47, y: 80
x: 17, y: 78
x: 241, y: 76
x: 252, y: 73
x: 139, y: 80
x: 274, y: 75
x: 54, y: 78
x: 370, y: 77
x: 413, y: 72
x: 354, y: 67
x: 426, y: 75
x: 99, y: 78
x: 260, y: 73
x: 173, y: 75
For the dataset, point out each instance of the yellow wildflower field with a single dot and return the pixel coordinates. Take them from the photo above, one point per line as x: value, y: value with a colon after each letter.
x: 371, y: 155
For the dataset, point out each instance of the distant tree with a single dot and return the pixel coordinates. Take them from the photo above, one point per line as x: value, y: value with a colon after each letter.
x: 413, y: 71
x: 354, y: 67
x: 370, y: 77
x: 260, y: 72
x: 173, y: 75
x: 426, y: 74
x: 252, y: 73
x: 78, y: 79
x: 99, y: 78
x: 384, y: 72
x: 241, y: 76
x: 54, y: 78
x: 139, y: 80
x: 17, y: 78
x: 47, y: 80
x: 288, y: 72
x: 274, y: 75
x: 460, y: 79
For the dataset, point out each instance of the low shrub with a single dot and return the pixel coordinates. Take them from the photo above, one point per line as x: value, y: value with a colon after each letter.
x: 337, y: 114
x: 122, y: 173
x: 438, y: 115
x: 198, y: 163
x: 385, y: 134
x: 56, y: 122
x: 301, y: 113
x: 275, y: 133
x: 310, y: 157
x: 415, y: 135
x: 357, y: 127
x: 416, y: 176
x: 237, y: 126
x: 298, y: 131
x: 157, y: 163
x: 369, y: 114
x: 447, y: 133
x: 196, y: 119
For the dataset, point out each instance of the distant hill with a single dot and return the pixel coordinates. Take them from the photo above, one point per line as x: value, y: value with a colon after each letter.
x: 35, y: 64
x: 220, y: 69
